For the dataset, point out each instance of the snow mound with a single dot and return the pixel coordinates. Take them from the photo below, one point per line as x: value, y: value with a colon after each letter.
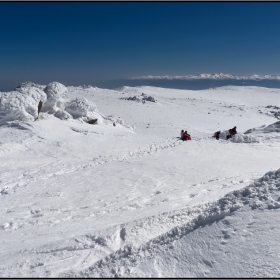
x: 242, y: 138
x: 21, y: 104
x: 275, y: 127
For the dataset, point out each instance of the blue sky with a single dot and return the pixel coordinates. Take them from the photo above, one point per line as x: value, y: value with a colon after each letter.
x: 98, y: 42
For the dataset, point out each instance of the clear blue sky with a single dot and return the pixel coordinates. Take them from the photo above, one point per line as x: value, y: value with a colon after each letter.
x: 95, y: 42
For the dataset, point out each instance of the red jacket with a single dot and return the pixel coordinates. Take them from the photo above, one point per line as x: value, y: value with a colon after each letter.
x: 186, y: 136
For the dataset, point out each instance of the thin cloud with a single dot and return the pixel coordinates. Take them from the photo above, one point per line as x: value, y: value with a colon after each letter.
x: 219, y: 76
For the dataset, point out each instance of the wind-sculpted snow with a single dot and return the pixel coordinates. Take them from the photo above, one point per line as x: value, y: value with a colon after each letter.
x: 21, y: 104
x: 55, y: 90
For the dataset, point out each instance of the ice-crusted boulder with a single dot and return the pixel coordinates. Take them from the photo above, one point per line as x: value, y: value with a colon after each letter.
x: 80, y: 107
x: 85, y: 110
x: 55, y: 92
x: 21, y: 104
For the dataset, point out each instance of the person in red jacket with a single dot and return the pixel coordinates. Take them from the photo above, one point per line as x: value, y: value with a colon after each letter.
x: 186, y: 136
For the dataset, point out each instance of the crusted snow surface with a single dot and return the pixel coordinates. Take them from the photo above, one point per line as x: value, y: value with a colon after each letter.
x: 132, y: 200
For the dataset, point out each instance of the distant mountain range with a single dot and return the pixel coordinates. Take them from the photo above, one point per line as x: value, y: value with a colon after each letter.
x: 216, y: 76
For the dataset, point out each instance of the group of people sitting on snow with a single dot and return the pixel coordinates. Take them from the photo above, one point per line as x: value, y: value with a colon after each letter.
x: 185, y: 136
x: 232, y: 131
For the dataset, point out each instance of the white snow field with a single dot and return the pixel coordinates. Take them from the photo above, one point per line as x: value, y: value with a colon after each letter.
x: 122, y: 196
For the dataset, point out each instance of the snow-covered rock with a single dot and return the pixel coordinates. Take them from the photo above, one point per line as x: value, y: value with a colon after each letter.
x: 55, y: 92
x: 21, y: 104
x: 142, y: 98
x: 80, y: 107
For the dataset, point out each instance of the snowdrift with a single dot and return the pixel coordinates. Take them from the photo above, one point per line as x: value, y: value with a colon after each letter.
x: 242, y: 138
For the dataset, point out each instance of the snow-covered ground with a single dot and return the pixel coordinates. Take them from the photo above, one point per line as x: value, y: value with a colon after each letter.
x: 124, y: 197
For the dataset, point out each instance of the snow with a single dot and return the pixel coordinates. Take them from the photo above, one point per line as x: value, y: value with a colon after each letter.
x: 21, y: 104
x: 124, y: 197
x: 55, y: 93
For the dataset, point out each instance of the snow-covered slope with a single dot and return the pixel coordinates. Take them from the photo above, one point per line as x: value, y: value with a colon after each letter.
x: 125, y: 197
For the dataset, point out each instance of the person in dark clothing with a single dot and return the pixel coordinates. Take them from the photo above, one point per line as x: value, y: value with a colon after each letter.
x: 232, y: 132
x: 182, y: 132
x: 217, y: 134
x: 39, y: 108
x: 186, y: 136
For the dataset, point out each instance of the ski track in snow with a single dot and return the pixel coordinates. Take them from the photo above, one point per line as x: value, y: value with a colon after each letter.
x: 264, y: 193
x: 35, y: 174
x: 121, y: 255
